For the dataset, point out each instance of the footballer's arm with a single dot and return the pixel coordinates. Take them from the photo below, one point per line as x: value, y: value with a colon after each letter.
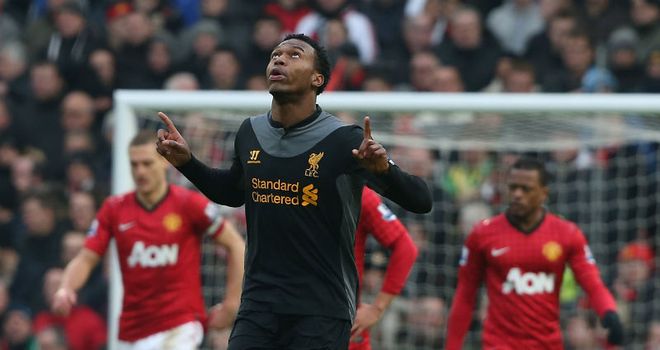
x: 470, y: 276
x: 76, y: 274
x: 402, y: 258
x: 223, y: 314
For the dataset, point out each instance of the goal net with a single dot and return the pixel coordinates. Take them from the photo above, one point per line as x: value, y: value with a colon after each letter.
x: 602, y: 152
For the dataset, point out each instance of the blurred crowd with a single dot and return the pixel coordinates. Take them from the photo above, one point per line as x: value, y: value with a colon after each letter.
x: 61, y: 61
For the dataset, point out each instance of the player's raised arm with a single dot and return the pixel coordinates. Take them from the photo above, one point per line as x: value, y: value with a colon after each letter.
x: 222, y: 315
x: 75, y: 276
x: 409, y: 191
x: 220, y: 186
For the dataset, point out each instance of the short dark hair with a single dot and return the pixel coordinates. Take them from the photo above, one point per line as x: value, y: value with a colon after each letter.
x: 526, y: 163
x: 144, y: 138
x: 321, y: 61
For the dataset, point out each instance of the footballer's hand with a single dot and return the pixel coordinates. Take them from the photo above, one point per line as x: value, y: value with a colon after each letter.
x: 63, y: 301
x: 366, y: 317
x: 222, y: 316
x: 612, y: 323
x: 371, y: 154
x: 171, y: 144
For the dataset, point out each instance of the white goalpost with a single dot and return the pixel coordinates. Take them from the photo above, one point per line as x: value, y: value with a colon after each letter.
x: 602, y: 147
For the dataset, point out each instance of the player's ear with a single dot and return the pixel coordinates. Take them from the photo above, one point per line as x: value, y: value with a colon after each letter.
x: 317, y: 79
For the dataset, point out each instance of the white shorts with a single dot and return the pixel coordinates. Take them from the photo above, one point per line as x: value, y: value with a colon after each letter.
x: 187, y: 336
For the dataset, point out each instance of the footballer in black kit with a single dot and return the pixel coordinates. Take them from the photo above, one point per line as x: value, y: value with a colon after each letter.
x: 301, y: 185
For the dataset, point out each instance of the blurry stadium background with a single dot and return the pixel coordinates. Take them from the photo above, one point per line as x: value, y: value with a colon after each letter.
x: 61, y: 62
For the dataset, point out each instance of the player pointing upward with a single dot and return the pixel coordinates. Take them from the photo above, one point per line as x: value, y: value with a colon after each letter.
x: 302, y: 209
x: 521, y: 255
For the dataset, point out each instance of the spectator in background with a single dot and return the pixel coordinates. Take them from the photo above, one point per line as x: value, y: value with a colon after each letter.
x: 653, y: 336
x: 8, y: 27
x: 4, y: 298
x: 447, y: 79
x: 348, y: 72
x: 578, y: 56
x: 234, y: 19
x: 43, y: 109
x: 160, y: 61
x: 385, y: 16
x: 335, y: 38
x: 501, y: 71
x: 651, y: 82
x: 84, y: 328
x: 182, y: 81
x: 521, y: 78
x: 103, y: 79
x: 163, y: 14
x: 267, y: 33
x: 422, y: 66
x: 204, y: 37
x: 635, y: 291
x: 14, y: 82
x: 132, y: 62
x: 514, y: 23
x: 27, y: 173
x: 544, y: 49
x: 77, y: 112
x: 360, y: 29
x: 71, y: 43
x: 645, y: 15
x: 288, y: 12
x: 82, y: 209
x: 116, y: 24
x: 469, y: 49
x: 39, y: 248
x: 17, y: 329
x: 52, y: 338
x: 377, y: 80
x: 41, y: 26
x: 622, y: 61
x: 224, y: 71
x: 426, y: 317
x: 601, y: 17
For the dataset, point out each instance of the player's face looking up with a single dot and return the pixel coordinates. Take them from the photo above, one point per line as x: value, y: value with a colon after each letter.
x: 526, y: 193
x: 148, y: 169
x: 291, y: 69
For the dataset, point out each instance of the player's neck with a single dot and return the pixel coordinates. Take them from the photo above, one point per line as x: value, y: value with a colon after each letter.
x: 150, y: 199
x: 289, y: 112
x: 529, y: 223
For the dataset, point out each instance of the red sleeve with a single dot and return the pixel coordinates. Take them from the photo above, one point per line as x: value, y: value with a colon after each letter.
x: 586, y: 273
x: 101, y: 229
x: 205, y: 215
x: 470, y: 274
x: 402, y: 259
x: 379, y: 221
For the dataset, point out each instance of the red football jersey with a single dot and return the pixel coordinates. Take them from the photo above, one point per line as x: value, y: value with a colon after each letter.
x: 523, y: 274
x: 159, y: 256
x: 378, y: 220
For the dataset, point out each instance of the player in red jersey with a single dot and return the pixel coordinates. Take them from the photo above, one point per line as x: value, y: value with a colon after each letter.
x: 521, y: 255
x: 158, y: 230
x: 378, y: 220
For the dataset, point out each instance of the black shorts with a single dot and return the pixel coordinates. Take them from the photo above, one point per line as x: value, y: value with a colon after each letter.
x: 265, y: 330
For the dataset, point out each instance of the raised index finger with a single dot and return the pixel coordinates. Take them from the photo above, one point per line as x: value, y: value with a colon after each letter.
x: 367, y: 128
x: 168, y: 122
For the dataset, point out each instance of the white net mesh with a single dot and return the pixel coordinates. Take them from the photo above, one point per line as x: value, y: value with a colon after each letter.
x: 605, y: 177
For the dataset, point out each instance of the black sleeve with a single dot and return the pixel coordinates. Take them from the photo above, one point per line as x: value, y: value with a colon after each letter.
x: 221, y: 186
x: 408, y: 191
